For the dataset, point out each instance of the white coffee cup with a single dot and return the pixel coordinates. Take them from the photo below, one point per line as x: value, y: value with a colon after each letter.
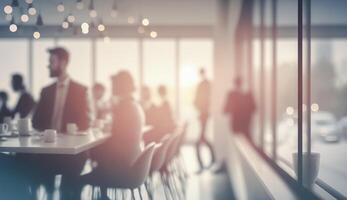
x: 310, y: 167
x: 3, y: 128
x: 49, y: 135
x: 24, y: 126
x: 71, y: 128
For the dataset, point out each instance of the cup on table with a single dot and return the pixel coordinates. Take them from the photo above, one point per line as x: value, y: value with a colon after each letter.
x: 49, y: 135
x: 24, y: 126
x: 9, y: 122
x: 3, y: 128
x: 71, y: 128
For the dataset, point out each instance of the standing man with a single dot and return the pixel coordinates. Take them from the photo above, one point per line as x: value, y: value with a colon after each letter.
x: 65, y: 101
x: 202, y: 104
x: 240, y: 107
x: 26, y: 103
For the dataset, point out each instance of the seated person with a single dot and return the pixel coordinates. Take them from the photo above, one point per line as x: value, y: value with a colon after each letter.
x: 26, y: 103
x: 4, y: 111
x: 65, y: 101
x: 116, y: 155
x: 163, y: 123
x: 100, y: 106
x: 148, y: 106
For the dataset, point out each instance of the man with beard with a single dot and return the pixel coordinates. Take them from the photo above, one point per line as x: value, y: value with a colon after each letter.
x: 65, y: 101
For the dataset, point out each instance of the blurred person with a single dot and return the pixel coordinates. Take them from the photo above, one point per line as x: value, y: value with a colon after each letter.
x: 163, y: 122
x: 26, y: 103
x: 148, y: 106
x: 100, y: 106
x: 65, y: 101
x: 4, y: 110
x: 202, y: 104
x: 240, y: 107
x: 117, y: 154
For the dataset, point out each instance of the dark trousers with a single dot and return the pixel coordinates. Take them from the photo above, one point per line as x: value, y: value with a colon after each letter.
x: 203, y: 141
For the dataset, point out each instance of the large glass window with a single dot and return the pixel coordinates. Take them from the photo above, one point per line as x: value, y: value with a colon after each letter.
x: 80, y: 59
x: 14, y: 54
x: 115, y: 55
x: 194, y: 55
x: 40, y: 65
x: 159, y: 58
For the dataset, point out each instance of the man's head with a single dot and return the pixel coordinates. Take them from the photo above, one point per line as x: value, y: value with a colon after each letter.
x: 58, y: 60
x: 17, y: 82
x: 162, y: 91
x: 145, y: 93
x: 3, y: 97
x: 122, y: 84
x: 238, y: 82
x: 202, y: 73
x: 98, y: 91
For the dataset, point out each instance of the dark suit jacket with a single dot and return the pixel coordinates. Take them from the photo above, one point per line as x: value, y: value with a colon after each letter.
x: 24, y: 106
x: 76, y: 109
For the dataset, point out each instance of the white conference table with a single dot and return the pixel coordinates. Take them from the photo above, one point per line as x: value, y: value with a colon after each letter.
x: 64, y: 144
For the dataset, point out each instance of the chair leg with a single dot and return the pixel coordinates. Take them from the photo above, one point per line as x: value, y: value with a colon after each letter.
x: 132, y: 194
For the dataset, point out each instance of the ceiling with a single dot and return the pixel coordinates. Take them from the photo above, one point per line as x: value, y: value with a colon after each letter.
x: 159, y: 12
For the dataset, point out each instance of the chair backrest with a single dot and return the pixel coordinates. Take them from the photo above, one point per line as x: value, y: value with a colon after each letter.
x: 160, y: 154
x: 182, y: 137
x: 140, y: 168
x: 172, y: 148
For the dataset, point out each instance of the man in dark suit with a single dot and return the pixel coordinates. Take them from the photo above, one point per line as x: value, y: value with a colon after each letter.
x: 63, y: 102
x: 26, y: 103
x: 202, y: 104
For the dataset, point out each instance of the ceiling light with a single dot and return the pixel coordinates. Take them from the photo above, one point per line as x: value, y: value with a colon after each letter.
x: 85, y: 25
x: 131, y: 20
x: 31, y: 10
x: 92, y: 11
x: 37, y: 35
x: 154, y: 34
x: 28, y: 1
x: 65, y: 24
x: 60, y: 7
x: 101, y: 27
x: 13, y: 27
x: 8, y: 9
x: 71, y: 18
x: 79, y: 4
x: 145, y: 21
x: 24, y: 18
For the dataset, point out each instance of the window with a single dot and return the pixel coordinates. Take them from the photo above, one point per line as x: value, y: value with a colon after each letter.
x: 115, y: 55
x: 80, y: 59
x: 194, y: 54
x: 40, y: 65
x: 12, y: 49
x: 159, y: 67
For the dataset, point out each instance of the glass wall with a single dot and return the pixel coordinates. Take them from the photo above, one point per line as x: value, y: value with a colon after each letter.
x: 115, y: 55
x: 324, y: 81
x: 159, y: 63
x: 194, y: 55
x: 12, y: 50
x: 40, y: 65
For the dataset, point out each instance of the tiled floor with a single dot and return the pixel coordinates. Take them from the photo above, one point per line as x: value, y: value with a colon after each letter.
x: 204, y: 186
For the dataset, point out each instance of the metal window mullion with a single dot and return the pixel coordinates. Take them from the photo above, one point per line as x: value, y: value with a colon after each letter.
x: 262, y: 73
x: 300, y: 90
x: 274, y: 79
